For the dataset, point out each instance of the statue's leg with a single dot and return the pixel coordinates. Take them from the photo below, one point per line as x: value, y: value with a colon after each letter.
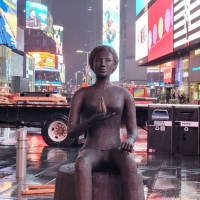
x: 127, y: 166
x: 87, y: 161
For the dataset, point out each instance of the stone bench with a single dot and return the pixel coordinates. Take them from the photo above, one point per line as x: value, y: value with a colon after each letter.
x: 105, y: 184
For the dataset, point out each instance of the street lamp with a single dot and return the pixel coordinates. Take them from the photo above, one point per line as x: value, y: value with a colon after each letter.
x: 87, y: 52
x: 76, y: 76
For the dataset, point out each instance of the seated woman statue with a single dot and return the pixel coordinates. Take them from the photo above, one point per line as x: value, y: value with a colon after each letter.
x: 100, y: 107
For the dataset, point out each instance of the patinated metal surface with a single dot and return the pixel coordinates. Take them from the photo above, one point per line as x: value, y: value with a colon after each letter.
x: 102, y: 106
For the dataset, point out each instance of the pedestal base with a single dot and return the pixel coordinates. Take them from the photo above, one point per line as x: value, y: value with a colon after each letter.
x: 105, y: 185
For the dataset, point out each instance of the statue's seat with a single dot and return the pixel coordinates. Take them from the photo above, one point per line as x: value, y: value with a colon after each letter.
x: 105, y: 184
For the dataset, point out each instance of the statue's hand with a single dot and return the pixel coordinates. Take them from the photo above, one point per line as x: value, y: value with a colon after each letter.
x: 127, y: 145
x: 99, y: 117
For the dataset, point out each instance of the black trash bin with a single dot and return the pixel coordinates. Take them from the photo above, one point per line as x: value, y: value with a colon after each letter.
x: 159, y: 128
x: 185, y: 137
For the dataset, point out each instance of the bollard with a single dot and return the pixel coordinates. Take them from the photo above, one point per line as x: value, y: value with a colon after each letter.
x: 21, y: 159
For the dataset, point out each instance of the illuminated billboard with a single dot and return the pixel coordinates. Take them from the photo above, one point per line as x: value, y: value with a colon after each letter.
x: 43, y: 59
x: 47, y: 77
x: 8, y: 22
x: 50, y: 31
x: 140, y: 4
x: 36, y: 16
x: 58, y: 38
x: 111, y: 28
x: 61, y: 68
x: 186, y: 23
x: 141, y: 43
x: 160, y: 26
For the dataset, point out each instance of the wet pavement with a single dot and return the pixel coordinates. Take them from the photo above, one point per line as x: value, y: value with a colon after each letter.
x: 165, y: 177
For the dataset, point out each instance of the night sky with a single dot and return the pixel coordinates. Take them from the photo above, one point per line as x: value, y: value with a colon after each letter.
x: 80, y: 30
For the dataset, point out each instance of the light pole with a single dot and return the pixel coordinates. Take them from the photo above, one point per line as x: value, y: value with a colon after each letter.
x: 76, y: 76
x: 87, y: 72
x: 87, y: 52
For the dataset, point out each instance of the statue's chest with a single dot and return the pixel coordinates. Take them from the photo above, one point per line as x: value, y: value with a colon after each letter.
x: 112, y: 101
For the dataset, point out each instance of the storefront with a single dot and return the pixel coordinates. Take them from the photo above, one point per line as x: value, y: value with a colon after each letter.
x: 5, y: 63
x: 194, y: 75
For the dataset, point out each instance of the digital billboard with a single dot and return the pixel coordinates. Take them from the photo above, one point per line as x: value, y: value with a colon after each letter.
x: 140, y: 4
x: 8, y: 23
x: 186, y: 23
x: 111, y: 28
x: 50, y: 31
x: 61, y: 67
x: 43, y: 59
x: 47, y: 77
x: 36, y: 16
x: 141, y: 43
x: 160, y: 29
x: 58, y: 38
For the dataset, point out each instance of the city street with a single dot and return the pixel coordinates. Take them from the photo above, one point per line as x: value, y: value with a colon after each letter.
x: 165, y: 177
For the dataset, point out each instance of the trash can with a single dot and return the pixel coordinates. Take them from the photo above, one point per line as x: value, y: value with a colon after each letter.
x: 159, y: 128
x: 185, y: 137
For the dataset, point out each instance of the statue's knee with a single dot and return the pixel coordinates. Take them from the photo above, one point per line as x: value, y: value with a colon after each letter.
x: 81, y: 164
x: 130, y: 165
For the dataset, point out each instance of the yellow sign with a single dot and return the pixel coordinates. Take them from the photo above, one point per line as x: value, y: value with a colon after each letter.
x: 43, y: 59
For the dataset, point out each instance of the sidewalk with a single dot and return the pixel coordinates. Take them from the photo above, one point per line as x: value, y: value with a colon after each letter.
x: 165, y: 177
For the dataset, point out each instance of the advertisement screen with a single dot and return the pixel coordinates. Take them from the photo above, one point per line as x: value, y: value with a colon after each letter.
x: 194, y: 68
x: 160, y: 29
x: 50, y: 31
x: 141, y: 43
x: 168, y: 72
x: 47, y: 77
x: 58, y: 38
x: 140, y: 4
x: 61, y: 67
x: 36, y: 16
x: 111, y: 28
x: 139, y: 92
x: 8, y: 22
x: 43, y: 59
x: 186, y: 23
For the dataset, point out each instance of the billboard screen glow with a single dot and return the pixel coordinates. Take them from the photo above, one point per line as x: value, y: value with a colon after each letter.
x: 47, y: 77
x: 111, y: 28
x: 36, y: 16
x: 8, y: 23
x: 160, y: 28
x: 58, y: 38
x: 141, y: 43
x: 43, y: 59
x: 186, y: 23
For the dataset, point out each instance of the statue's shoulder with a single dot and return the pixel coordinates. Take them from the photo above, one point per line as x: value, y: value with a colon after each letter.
x: 121, y: 89
x: 82, y: 91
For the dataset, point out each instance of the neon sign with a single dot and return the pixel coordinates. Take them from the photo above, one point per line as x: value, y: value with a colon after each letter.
x: 196, y: 68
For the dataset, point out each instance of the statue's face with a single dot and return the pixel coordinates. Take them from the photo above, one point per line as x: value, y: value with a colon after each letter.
x: 103, y: 64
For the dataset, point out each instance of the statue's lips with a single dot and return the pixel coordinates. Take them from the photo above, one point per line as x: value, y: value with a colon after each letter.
x: 102, y: 70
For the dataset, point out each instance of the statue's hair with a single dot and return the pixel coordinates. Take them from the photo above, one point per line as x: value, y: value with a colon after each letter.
x: 103, y: 48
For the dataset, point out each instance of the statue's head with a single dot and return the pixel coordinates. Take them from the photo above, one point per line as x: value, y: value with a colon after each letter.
x: 104, y: 48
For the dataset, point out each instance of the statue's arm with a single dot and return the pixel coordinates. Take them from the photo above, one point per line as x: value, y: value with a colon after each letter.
x: 130, y: 113
x: 75, y: 127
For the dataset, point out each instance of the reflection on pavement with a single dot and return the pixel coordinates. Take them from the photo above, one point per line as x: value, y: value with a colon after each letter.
x: 166, y: 177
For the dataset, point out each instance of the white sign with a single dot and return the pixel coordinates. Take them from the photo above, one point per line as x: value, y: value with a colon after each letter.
x: 163, y: 123
x: 189, y: 124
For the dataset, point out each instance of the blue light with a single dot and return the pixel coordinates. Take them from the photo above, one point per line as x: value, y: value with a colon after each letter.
x: 196, y: 68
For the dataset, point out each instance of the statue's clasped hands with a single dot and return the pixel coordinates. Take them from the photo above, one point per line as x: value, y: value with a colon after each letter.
x: 101, y: 113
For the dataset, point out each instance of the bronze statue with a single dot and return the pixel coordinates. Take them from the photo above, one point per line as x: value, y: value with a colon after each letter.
x: 98, y: 109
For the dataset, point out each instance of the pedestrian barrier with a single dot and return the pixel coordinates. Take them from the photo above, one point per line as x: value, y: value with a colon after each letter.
x: 21, y: 158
